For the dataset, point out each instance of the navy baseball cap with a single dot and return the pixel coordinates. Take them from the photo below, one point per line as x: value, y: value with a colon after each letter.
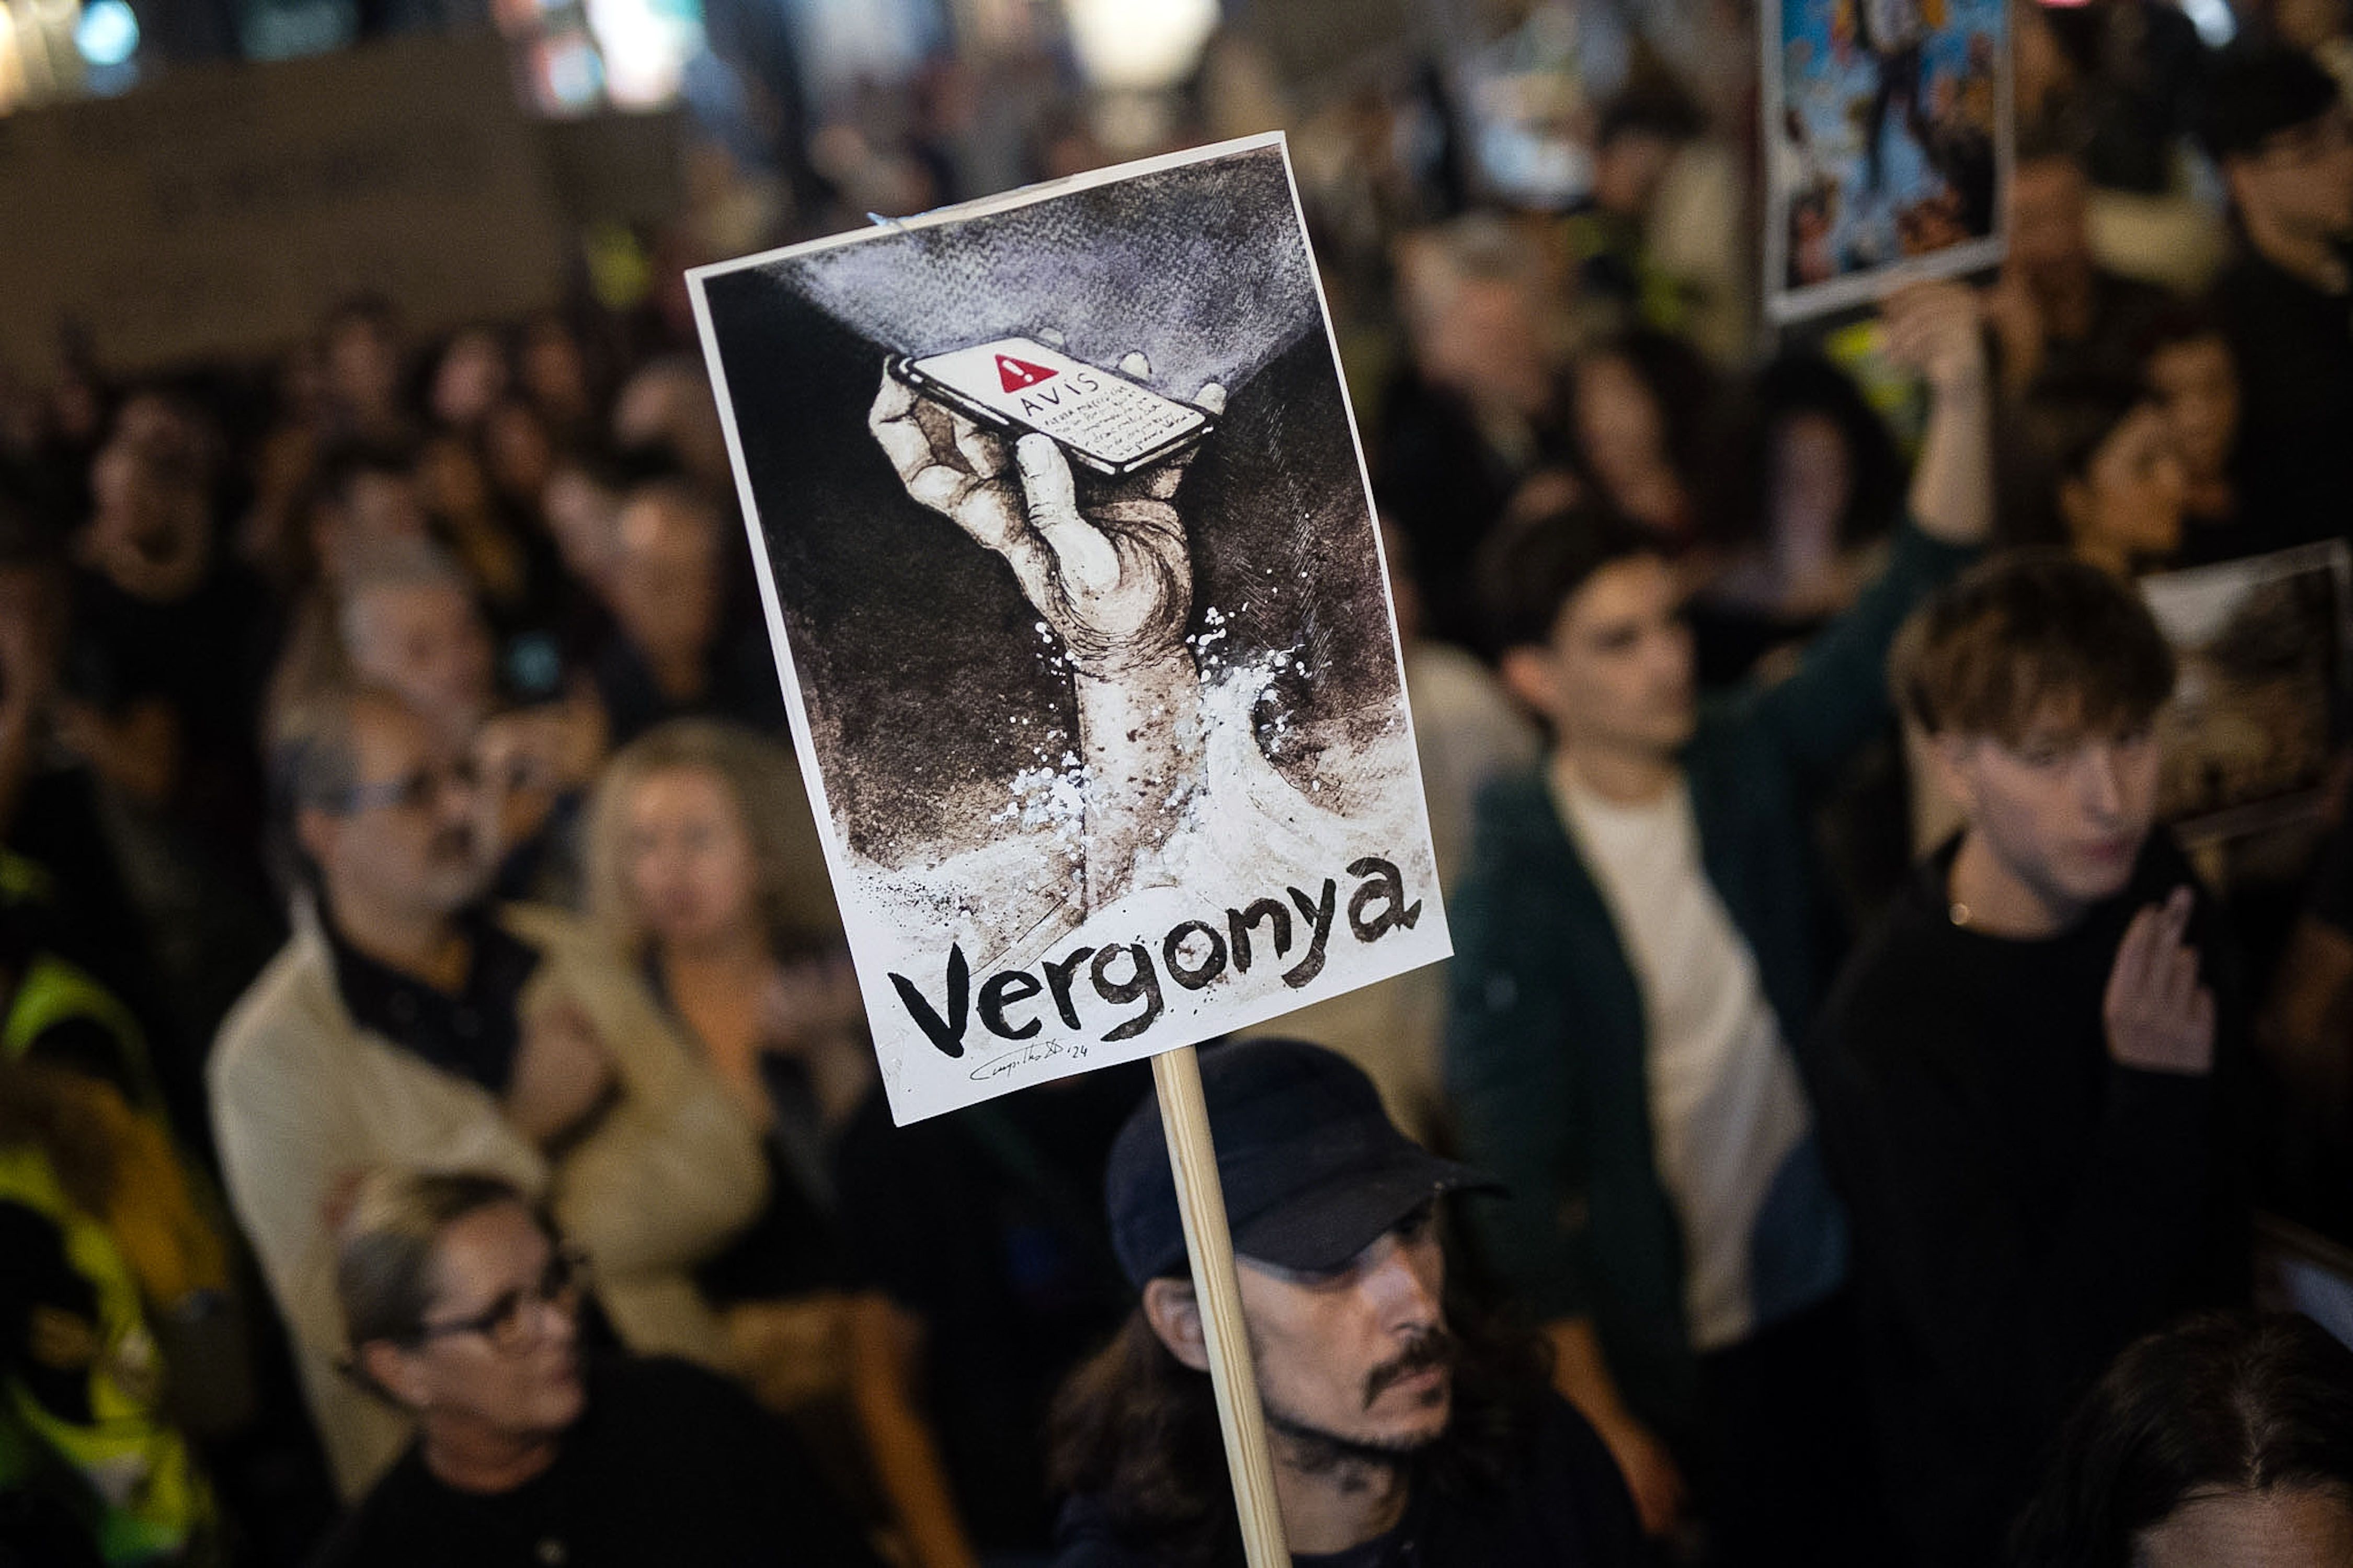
x: 1314, y: 1170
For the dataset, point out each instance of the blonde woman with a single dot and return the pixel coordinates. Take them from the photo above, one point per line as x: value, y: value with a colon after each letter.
x: 705, y: 871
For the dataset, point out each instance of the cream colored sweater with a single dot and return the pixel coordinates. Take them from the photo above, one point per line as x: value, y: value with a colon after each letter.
x: 302, y: 1097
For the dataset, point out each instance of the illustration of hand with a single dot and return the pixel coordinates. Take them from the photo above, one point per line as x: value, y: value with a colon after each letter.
x: 1105, y: 561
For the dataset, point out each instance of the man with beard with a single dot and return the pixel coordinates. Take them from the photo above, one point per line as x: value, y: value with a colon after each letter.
x: 412, y: 1022
x: 1404, y: 1429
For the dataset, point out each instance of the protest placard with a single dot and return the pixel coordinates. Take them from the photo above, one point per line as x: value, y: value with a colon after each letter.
x: 1887, y: 138
x: 405, y: 169
x: 2263, y: 646
x: 1069, y: 563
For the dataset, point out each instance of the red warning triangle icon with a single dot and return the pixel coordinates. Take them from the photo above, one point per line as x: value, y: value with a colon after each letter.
x: 1016, y: 374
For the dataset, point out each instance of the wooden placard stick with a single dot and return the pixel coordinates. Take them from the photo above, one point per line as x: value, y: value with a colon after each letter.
x: 1201, y: 1203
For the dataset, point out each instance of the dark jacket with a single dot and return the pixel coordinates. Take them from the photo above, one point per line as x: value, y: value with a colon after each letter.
x: 1546, y: 1040
x: 669, y: 1463
x: 1567, y: 1509
x: 2023, y: 1207
x: 2293, y: 344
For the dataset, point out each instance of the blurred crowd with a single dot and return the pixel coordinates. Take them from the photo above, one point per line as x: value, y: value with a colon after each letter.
x: 435, y: 1107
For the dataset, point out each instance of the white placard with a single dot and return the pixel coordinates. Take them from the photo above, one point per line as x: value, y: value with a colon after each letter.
x: 1106, y: 763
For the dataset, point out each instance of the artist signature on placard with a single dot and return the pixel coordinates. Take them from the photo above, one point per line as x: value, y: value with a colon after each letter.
x: 1028, y: 1057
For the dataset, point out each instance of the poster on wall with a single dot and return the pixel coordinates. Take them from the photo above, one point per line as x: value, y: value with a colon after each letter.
x: 1887, y: 146
x: 2262, y: 646
x: 1067, y: 552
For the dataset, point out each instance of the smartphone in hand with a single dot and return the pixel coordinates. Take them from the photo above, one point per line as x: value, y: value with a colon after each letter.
x: 1015, y: 385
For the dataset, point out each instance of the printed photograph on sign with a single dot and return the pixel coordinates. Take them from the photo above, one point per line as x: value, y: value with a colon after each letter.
x: 1064, y: 539
x: 2262, y: 646
x: 1887, y: 146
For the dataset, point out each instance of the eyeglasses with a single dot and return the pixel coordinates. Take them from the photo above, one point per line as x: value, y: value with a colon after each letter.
x: 510, y: 1323
x: 413, y: 791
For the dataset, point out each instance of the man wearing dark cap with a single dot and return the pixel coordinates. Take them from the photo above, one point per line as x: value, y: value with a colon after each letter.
x: 1405, y: 1430
x: 2278, y: 129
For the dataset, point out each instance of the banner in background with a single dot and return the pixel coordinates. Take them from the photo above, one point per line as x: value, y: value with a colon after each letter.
x: 223, y: 210
x: 1887, y: 138
x: 1070, y: 566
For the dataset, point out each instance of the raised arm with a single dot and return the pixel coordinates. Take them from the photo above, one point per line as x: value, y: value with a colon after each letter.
x: 1936, y: 330
x: 1107, y: 566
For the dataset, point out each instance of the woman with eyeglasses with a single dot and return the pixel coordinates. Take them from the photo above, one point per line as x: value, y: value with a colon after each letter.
x: 460, y: 1308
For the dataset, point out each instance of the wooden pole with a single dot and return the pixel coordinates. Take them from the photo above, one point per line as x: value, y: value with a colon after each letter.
x: 1201, y: 1201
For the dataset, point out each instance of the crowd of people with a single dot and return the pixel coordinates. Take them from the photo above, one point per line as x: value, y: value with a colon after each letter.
x: 438, y: 1121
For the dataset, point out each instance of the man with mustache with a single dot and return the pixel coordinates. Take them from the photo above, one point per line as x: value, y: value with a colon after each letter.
x: 1405, y: 1429
x: 411, y: 1022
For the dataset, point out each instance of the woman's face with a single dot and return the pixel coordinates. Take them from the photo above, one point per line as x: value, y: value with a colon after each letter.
x: 470, y: 379
x: 1617, y: 421
x: 2129, y: 500
x: 692, y: 867
x: 586, y: 518
x: 501, y: 1349
x: 2285, y: 1527
x: 1812, y: 479
x: 2197, y: 382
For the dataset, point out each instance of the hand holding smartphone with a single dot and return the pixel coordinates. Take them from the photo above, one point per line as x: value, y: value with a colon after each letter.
x: 1106, y: 422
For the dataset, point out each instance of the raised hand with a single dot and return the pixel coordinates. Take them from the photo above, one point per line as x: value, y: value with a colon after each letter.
x: 1105, y: 561
x: 563, y: 1075
x: 2158, y: 1018
x: 1936, y: 329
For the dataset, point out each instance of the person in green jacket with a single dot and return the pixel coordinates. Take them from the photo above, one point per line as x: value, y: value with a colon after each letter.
x: 1636, y: 948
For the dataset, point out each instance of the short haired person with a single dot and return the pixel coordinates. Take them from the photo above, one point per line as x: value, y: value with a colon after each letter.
x: 1475, y: 409
x: 461, y: 1307
x: 2226, y: 1439
x: 2282, y: 137
x: 676, y: 649
x: 2187, y: 365
x: 1403, y: 1429
x: 412, y: 1021
x: 2024, y: 1080
x: 2056, y: 312
x: 1620, y: 282
x: 1635, y: 947
x: 409, y: 622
